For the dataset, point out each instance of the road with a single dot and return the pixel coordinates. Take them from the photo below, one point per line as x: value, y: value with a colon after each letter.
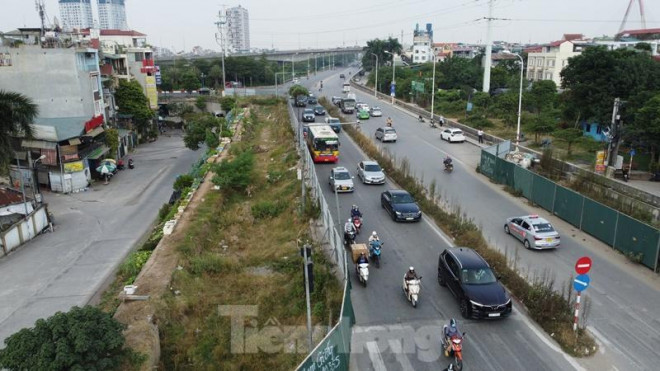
x: 391, y: 334
x: 624, y: 300
x: 94, y: 231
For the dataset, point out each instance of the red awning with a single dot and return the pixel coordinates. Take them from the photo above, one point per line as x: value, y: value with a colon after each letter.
x: 93, y: 123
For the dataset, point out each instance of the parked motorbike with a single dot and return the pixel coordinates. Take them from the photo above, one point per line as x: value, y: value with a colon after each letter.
x: 432, y: 124
x: 456, y: 349
x: 131, y: 165
x: 362, y: 271
x: 374, y: 252
x: 357, y: 223
x: 420, y: 118
x: 411, y: 290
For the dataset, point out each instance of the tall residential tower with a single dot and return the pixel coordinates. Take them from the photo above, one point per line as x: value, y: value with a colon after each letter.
x: 76, y: 14
x: 112, y: 15
x: 238, y: 27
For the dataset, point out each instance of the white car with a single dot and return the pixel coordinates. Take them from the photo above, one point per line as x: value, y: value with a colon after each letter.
x: 386, y: 134
x: 370, y: 172
x: 376, y: 112
x: 534, y: 232
x: 452, y: 135
x: 362, y: 106
x: 341, y: 180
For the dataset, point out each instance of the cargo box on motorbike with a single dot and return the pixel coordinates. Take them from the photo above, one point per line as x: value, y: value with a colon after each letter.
x: 358, y: 248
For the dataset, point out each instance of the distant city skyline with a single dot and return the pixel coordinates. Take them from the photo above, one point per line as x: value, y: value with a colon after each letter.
x: 181, y: 25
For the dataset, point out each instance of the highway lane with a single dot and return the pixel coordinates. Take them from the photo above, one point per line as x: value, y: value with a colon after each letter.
x: 391, y: 334
x: 623, y: 315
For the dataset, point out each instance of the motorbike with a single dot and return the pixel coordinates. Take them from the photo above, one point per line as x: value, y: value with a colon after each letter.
x: 421, y: 119
x: 449, y: 167
x: 357, y: 223
x: 432, y: 124
x: 456, y: 349
x: 412, y: 291
x: 374, y: 252
x: 130, y: 164
x: 362, y: 270
x: 349, y: 238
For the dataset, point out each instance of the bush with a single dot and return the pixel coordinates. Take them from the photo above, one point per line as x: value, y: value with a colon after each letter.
x: 80, y: 339
x: 227, y: 103
x: 200, y: 103
x: 234, y: 174
x: 183, y: 181
x: 132, y: 266
x: 267, y: 209
x: 164, y: 211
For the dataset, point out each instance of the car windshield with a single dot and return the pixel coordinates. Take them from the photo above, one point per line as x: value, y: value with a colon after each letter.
x: 307, y: 110
x: 390, y: 131
x: 402, y: 198
x: 333, y: 121
x: 457, y: 132
x: 543, y: 228
x: 342, y: 175
x: 479, y: 276
x: 371, y: 168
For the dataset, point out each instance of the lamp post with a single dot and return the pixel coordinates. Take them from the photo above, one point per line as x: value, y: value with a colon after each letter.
x: 276, y: 89
x: 316, y: 63
x: 392, y: 93
x: 433, y: 86
x: 376, y: 82
x: 202, y: 79
x: 35, y: 183
x: 293, y: 66
x: 522, y: 66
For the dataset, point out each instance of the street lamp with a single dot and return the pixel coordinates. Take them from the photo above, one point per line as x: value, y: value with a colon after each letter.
x: 522, y: 66
x: 392, y: 93
x: 35, y: 184
x: 376, y: 82
x: 293, y: 66
x: 433, y: 86
x: 278, y: 73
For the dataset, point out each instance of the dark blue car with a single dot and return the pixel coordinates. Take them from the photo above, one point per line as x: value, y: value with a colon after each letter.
x: 400, y: 205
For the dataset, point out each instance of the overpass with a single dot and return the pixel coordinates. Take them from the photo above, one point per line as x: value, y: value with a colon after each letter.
x: 280, y: 56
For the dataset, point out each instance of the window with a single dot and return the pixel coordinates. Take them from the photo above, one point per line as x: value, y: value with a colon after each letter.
x: 525, y: 225
x: 416, y: 51
x: 548, y: 76
x: 453, y: 266
x: 587, y: 128
x: 539, y: 75
x: 599, y: 130
x: 539, y: 62
x: 551, y: 62
x: 530, y: 62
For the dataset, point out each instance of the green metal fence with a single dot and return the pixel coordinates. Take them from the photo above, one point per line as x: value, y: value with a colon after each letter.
x: 632, y: 237
x: 334, y: 351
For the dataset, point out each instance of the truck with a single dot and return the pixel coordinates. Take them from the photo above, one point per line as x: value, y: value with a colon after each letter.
x: 347, y: 105
x: 346, y: 87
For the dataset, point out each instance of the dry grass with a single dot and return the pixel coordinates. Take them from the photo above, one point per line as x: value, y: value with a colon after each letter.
x: 231, y: 257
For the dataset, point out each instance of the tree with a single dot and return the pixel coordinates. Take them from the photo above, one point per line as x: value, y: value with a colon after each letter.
x: 112, y: 140
x: 17, y: 112
x: 190, y: 81
x: 457, y: 72
x: 646, y: 128
x: 570, y: 136
x: 236, y: 174
x: 132, y: 101
x: 542, y: 96
x: 80, y: 339
x: 200, y: 129
x: 378, y: 47
x: 542, y: 124
x: 297, y: 90
x: 215, y: 73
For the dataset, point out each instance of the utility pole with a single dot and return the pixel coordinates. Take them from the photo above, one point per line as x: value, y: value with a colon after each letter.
x: 221, y: 24
x: 489, y: 49
x: 615, y: 134
x: 309, y: 286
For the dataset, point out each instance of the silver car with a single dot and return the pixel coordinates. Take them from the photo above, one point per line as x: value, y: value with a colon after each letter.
x: 376, y: 112
x: 370, y: 172
x: 341, y: 180
x: 533, y: 231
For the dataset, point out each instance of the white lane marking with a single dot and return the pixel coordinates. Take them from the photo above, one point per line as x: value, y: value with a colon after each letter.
x: 439, y: 232
x: 547, y: 342
x: 395, y: 346
x: 374, y: 354
x: 599, y: 337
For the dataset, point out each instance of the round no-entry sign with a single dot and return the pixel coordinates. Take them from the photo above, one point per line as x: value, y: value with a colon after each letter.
x: 583, y: 265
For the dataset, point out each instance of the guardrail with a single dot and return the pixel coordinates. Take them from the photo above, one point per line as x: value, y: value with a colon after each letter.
x: 333, y: 351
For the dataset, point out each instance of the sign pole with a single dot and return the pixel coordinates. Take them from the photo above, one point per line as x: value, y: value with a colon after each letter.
x: 577, y: 311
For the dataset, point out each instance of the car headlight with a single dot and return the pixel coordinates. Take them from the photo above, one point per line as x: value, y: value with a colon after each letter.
x: 476, y: 304
x: 419, y: 212
x: 398, y: 212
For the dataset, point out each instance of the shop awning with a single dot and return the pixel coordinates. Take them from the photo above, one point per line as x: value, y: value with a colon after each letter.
x: 98, y: 153
x: 94, y: 132
x: 74, y: 141
x: 38, y: 144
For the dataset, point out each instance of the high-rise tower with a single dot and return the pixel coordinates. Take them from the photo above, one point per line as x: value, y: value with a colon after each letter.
x: 76, y: 14
x: 112, y: 15
x: 238, y: 29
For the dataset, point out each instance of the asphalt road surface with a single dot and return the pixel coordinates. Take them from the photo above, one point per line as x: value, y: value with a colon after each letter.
x: 624, y: 313
x: 392, y: 335
x: 94, y: 231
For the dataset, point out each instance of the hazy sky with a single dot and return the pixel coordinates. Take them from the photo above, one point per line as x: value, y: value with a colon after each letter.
x: 292, y: 24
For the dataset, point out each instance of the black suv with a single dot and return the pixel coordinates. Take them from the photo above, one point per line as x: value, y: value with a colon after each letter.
x: 312, y: 99
x: 301, y: 101
x: 473, y: 283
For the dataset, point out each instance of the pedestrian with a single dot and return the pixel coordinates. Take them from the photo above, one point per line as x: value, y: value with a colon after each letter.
x: 442, y: 120
x: 480, y: 134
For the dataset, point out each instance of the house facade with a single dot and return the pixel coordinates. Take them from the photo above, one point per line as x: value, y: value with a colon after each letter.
x: 547, y: 63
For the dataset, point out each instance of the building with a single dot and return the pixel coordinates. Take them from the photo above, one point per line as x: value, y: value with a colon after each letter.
x: 112, y: 15
x: 547, y: 63
x: 238, y: 29
x: 422, y: 39
x: 76, y: 14
x: 630, y: 38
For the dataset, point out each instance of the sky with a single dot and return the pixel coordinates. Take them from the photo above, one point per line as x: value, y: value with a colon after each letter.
x: 180, y: 25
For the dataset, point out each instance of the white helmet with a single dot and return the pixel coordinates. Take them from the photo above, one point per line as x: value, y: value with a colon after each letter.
x: 412, y: 269
x: 349, y: 220
x: 374, y: 233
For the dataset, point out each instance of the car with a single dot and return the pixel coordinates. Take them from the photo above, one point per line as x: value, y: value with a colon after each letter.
x: 386, y: 134
x: 370, y: 172
x: 301, y: 101
x: 452, y: 135
x: 312, y: 99
x: 534, y: 232
x: 336, y: 100
x: 308, y: 115
x: 341, y: 180
x: 362, y: 114
x: 375, y: 112
x: 319, y: 110
x: 342, y: 76
x: 295, y: 80
x: 362, y: 105
x: 334, y: 123
x: 400, y: 205
x: 474, y: 284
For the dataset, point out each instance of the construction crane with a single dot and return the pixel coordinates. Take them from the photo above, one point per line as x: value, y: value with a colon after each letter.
x: 641, y: 14
x: 41, y: 8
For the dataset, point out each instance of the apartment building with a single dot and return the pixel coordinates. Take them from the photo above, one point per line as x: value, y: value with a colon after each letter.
x: 548, y: 60
x: 76, y: 14
x: 238, y: 29
x: 422, y: 50
x: 112, y: 15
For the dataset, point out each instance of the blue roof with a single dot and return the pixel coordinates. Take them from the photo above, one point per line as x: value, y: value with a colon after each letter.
x: 65, y: 127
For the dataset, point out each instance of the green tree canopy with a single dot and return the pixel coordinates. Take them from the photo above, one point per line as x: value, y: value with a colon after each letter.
x: 202, y: 128
x: 297, y: 90
x: 16, y: 115
x: 542, y: 96
x: 378, y: 47
x: 132, y: 101
x: 457, y: 72
x: 80, y: 339
x: 646, y: 130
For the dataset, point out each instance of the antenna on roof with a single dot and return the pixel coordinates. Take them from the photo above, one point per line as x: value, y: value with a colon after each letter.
x: 641, y: 14
x: 42, y: 14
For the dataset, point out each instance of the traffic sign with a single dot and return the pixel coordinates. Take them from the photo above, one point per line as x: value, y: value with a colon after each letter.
x: 583, y: 265
x: 632, y: 152
x: 581, y: 282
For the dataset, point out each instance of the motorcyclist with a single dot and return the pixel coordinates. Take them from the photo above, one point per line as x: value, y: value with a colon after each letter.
x: 389, y: 121
x: 355, y: 211
x: 373, y: 241
x: 410, y: 275
x: 420, y: 118
x: 357, y: 124
x: 348, y: 228
x: 362, y: 259
x: 449, y: 368
x: 451, y: 331
x: 447, y: 161
x: 374, y: 237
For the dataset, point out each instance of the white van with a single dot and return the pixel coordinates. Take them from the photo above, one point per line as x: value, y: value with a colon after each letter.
x: 347, y: 88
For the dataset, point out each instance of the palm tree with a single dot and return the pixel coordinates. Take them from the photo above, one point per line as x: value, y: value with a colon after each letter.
x: 16, y: 115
